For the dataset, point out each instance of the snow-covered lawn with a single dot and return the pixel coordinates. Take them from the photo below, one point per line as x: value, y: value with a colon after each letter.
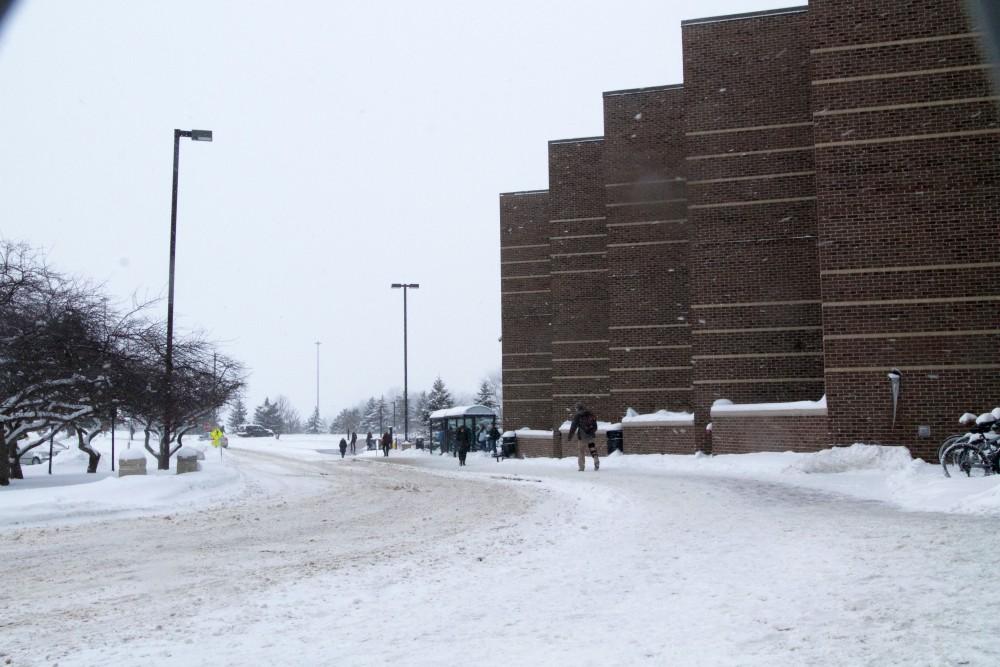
x: 281, y: 554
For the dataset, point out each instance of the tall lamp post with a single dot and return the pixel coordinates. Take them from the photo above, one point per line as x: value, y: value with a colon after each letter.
x: 193, y: 135
x: 317, y: 377
x: 406, y: 404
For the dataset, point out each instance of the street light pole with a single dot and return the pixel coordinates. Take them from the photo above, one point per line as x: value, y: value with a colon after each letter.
x: 163, y: 459
x: 406, y: 399
x: 317, y: 377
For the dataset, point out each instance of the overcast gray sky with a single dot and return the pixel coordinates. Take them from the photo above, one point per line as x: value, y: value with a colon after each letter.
x: 356, y: 144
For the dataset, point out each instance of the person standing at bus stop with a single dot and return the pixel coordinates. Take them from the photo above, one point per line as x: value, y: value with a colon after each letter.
x: 462, y: 439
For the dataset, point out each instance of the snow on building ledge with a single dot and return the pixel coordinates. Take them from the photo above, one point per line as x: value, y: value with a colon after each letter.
x: 725, y: 408
x: 660, y: 417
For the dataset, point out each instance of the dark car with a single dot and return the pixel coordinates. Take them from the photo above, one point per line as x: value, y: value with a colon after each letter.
x: 254, y: 431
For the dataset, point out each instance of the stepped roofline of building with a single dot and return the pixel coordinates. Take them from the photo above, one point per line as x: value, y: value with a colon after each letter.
x: 746, y: 15
x: 524, y: 192
x: 646, y: 89
x: 575, y: 140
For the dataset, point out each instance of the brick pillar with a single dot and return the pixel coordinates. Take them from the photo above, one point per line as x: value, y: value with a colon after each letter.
x: 650, y: 348
x: 526, y: 309
x: 907, y: 175
x: 578, y: 235
x: 755, y: 302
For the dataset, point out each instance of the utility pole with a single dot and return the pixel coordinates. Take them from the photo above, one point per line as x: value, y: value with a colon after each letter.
x: 317, y: 376
x: 406, y: 403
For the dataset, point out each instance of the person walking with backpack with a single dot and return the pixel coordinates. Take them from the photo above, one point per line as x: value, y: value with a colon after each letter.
x: 386, y: 443
x: 584, y: 424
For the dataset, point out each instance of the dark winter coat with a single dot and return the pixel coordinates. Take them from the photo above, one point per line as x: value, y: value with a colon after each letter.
x: 462, y: 438
x: 494, y: 433
x: 354, y: 438
x: 574, y: 426
x: 386, y: 441
x: 343, y: 445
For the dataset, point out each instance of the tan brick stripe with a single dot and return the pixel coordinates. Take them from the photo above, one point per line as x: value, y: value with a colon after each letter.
x: 911, y: 302
x: 900, y: 75
x: 912, y: 137
x: 910, y: 105
x: 896, y: 42
x: 759, y: 380
x: 787, y: 174
x: 748, y: 128
x: 753, y: 202
x: 915, y: 334
x: 645, y: 222
x: 766, y: 151
x: 916, y: 267
x: 941, y: 367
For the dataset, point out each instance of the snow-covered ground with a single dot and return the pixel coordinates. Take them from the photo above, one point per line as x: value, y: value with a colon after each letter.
x: 281, y: 553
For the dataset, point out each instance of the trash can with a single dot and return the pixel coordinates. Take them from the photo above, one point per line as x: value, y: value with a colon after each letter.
x: 616, y: 440
x: 509, y: 446
x: 420, y: 443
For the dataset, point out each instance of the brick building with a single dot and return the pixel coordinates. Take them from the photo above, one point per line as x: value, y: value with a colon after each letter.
x: 815, y: 207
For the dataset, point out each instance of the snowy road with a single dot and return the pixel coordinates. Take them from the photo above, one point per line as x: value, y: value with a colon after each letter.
x: 412, y: 561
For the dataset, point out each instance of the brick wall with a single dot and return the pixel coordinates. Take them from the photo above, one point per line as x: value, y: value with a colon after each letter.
x: 536, y: 445
x: 907, y: 138
x: 642, y: 438
x: 526, y: 309
x: 745, y: 433
x: 755, y: 294
x: 647, y: 246
x: 578, y: 237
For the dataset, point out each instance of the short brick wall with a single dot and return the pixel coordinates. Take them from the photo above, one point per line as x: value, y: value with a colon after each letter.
x: 187, y: 464
x: 128, y: 467
x: 746, y: 433
x: 659, y: 439
x: 534, y: 446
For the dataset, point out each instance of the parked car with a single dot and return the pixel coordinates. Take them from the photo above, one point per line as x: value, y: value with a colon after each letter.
x: 254, y: 431
x: 40, y: 454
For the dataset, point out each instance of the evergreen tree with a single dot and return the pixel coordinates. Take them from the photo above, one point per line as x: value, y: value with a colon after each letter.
x: 369, y: 418
x: 315, y: 424
x: 486, y: 396
x: 266, y: 415
x: 439, y: 398
x: 237, y: 414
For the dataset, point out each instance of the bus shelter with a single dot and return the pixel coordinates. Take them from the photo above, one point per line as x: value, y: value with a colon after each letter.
x: 444, y: 423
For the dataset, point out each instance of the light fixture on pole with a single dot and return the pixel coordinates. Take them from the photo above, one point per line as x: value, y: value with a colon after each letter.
x: 163, y: 458
x: 406, y: 403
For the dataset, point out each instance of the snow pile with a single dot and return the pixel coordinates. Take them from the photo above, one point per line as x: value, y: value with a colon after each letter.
x: 854, y: 458
x: 131, y: 455
x: 791, y: 409
x: 659, y: 417
x: 530, y: 432
x: 187, y: 452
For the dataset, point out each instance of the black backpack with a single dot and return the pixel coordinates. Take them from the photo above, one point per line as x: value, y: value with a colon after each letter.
x: 588, y: 423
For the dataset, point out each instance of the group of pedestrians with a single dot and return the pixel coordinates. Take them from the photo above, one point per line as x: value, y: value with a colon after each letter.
x: 583, y: 426
x: 385, y: 442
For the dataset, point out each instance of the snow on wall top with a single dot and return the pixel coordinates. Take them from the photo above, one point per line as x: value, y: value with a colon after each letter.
x: 462, y: 411
x: 658, y: 417
x: 529, y: 432
x: 722, y: 407
x: 131, y: 454
x: 602, y: 427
